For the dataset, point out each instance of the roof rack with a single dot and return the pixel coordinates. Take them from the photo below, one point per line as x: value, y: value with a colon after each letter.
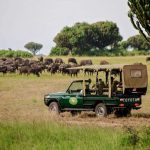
x: 98, y: 67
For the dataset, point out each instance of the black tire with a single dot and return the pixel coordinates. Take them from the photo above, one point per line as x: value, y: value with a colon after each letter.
x: 54, y: 108
x: 101, y: 110
x: 75, y: 113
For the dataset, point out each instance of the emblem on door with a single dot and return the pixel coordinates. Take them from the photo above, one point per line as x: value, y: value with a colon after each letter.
x: 73, y: 101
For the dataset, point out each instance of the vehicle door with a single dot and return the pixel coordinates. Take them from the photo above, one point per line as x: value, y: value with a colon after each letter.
x: 89, y: 100
x: 74, y: 96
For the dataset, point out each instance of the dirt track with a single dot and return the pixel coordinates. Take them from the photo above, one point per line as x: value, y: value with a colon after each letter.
x: 110, y: 121
x: 26, y: 114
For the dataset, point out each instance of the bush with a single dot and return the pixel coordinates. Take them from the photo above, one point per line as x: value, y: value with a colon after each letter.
x: 97, y: 52
x: 59, y: 51
x: 136, y: 138
x: 17, y: 53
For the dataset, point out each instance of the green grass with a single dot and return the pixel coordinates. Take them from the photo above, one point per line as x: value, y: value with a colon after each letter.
x: 56, y: 136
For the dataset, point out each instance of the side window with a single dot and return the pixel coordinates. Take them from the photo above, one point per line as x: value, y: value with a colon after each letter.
x: 76, y: 87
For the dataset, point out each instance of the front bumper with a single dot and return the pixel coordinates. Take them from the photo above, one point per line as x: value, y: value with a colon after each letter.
x: 136, y: 108
x: 46, y: 101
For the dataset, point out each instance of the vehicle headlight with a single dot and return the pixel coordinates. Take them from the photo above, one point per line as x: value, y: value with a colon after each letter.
x: 47, y: 96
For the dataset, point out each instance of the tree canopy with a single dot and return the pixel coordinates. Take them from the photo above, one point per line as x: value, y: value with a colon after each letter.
x: 138, y: 42
x: 83, y: 37
x: 108, y: 34
x: 140, y: 16
x: 33, y: 47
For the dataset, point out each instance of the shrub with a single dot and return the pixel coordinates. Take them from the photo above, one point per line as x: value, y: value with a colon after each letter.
x: 17, y: 53
x: 59, y: 51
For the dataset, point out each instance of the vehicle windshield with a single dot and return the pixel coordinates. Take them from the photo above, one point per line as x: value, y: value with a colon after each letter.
x: 75, y: 87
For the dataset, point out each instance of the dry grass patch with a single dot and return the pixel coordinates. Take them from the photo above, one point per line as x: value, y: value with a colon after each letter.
x: 21, y: 97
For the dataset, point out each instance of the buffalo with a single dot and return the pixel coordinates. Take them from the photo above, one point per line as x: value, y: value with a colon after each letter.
x: 11, y: 68
x: 3, y: 69
x: 54, y: 68
x: 86, y: 62
x: 48, y: 61
x: 63, y: 68
x: 33, y: 69
x: 72, y: 60
x: 59, y: 61
x: 74, y: 72
x: 104, y: 62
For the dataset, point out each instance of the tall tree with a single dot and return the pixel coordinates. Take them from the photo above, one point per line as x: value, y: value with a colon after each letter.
x: 83, y: 37
x: 33, y: 47
x: 63, y: 39
x: 140, y: 16
x: 108, y: 34
x: 72, y: 37
x: 138, y: 42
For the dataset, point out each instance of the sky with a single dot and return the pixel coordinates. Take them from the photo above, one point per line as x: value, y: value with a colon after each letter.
x: 23, y: 21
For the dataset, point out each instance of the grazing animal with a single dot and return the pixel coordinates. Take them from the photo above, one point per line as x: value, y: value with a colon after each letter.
x: 24, y: 70
x: 54, y: 68
x: 3, y: 59
x: 59, y: 61
x: 63, y: 68
x: 72, y: 60
x: 9, y: 61
x: 11, y: 69
x: 89, y: 71
x: 86, y: 62
x: 36, y: 69
x: 104, y: 62
x: 2, y: 62
x: 3, y: 69
x: 74, y: 72
x: 30, y: 70
x: 48, y: 61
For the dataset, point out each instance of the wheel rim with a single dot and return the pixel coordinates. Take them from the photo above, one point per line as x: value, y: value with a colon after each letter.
x: 53, y: 108
x: 100, y: 111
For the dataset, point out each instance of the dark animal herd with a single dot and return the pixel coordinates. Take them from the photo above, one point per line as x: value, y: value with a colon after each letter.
x: 36, y: 67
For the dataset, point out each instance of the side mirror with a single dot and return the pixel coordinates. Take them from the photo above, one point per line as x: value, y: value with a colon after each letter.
x: 69, y: 91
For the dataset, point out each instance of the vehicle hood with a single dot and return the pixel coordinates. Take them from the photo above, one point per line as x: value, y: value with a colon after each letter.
x: 57, y: 94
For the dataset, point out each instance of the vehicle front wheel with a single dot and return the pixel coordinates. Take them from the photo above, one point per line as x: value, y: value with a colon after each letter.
x: 101, y: 110
x: 54, y: 108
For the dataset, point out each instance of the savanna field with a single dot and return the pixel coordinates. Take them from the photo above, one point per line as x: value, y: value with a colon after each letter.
x: 25, y: 122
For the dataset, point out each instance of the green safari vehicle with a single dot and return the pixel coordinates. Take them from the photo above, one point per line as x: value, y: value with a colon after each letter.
x: 119, y: 93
